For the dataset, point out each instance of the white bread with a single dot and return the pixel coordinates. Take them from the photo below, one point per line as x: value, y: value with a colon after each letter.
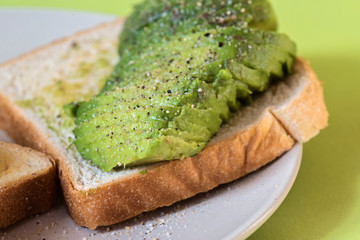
x: 291, y: 111
x: 28, y: 183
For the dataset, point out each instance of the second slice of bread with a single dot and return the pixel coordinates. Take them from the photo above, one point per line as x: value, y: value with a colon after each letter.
x: 28, y: 183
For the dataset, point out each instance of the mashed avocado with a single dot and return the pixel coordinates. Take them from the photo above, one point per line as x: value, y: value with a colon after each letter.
x: 185, y: 67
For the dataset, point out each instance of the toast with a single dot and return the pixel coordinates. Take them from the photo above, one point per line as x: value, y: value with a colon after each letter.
x: 291, y: 111
x: 28, y: 183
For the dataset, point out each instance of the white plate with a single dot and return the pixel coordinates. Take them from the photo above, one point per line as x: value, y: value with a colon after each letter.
x: 230, y: 211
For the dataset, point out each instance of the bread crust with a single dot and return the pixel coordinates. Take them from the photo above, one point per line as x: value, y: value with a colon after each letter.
x: 30, y: 194
x: 163, y: 184
x: 306, y: 113
x: 22, y: 57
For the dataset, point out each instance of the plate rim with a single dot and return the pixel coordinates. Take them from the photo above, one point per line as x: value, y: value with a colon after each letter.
x: 236, y: 234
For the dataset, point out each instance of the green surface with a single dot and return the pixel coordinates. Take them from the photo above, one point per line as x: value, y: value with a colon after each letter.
x: 324, y: 202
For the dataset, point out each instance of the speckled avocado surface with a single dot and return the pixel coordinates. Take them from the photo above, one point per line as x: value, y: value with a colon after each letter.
x: 156, y: 21
x: 185, y: 67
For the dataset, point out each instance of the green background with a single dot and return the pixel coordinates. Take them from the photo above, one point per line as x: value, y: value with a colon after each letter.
x: 324, y: 202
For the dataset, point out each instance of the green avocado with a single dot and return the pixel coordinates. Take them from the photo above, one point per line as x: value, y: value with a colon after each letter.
x: 166, y: 99
x: 155, y: 21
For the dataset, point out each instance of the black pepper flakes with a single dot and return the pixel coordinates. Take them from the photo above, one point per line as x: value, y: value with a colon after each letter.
x: 207, y: 34
x: 169, y: 91
x: 74, y: 45
x: 221, y: 44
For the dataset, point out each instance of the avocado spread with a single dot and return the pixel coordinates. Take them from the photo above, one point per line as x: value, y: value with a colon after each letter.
x: 185, y: 67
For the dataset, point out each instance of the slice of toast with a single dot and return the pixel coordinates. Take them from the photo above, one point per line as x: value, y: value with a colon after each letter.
x: 292, y: 110
x: 28, y: 183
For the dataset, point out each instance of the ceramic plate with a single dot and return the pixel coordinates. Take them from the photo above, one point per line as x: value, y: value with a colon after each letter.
x: 231, y: 211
